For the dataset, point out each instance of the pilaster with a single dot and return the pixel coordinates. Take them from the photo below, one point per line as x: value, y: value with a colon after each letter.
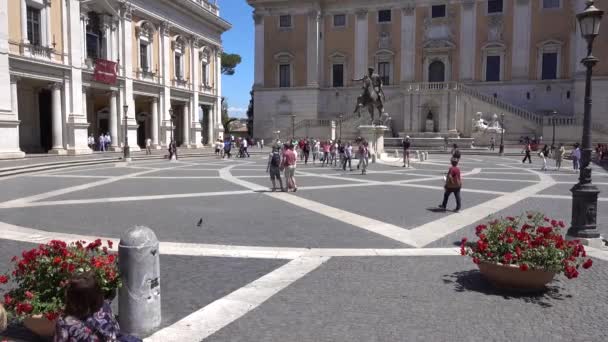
x: 468, y: 39
x: 522, y: 21
x: 408, y: 43
x: 312, y: 56
x: 259, y: 50
x: 361, y: 43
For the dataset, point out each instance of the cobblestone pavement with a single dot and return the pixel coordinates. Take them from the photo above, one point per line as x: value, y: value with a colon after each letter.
x: 348, y: 257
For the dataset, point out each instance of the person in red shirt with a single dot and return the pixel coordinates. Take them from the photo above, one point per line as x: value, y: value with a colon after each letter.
x: 453, y: 184
x: 289, y: 164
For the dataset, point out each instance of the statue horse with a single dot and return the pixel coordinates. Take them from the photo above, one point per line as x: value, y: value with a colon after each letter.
x: 371, y: 100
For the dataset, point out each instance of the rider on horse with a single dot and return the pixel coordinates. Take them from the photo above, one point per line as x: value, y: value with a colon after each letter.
x: 376, y: 83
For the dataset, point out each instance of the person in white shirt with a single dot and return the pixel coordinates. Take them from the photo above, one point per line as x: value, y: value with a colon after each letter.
x: 91, y: 141
x: 102, y: 142
x: 262, y: 144
x: 148, y: 146
x: 245, y: 146
x: 316, y: 148
x: 108, y: 141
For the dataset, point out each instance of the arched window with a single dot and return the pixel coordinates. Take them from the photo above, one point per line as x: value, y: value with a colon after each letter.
x: 437, y: 71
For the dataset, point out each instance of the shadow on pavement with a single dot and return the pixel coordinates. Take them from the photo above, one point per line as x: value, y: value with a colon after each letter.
x: 474, y: 281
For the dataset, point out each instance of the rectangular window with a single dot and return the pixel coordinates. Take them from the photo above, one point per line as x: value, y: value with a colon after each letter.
x: 285, y: 21
x: 438, y: 11
x: 550, y: 3
x: 384, y: 69
x: 284, y: 75
x: 178, y: 66
x: 493, y: 68
x: 549, y: 71
x: 143, y: 56
x: 33, y: 25
x: 494, y: 6
x: 338, y: 75
x: 339, y: 20
x: 384, y: 16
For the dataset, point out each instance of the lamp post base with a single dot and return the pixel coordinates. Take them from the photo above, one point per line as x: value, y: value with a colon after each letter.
x: 501, y: 150
x: 584, y: 212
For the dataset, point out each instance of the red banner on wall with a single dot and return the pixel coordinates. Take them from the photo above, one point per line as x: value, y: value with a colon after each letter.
x: 105, y: 71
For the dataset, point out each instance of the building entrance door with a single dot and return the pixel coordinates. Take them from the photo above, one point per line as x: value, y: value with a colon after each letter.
x: 45, y: 105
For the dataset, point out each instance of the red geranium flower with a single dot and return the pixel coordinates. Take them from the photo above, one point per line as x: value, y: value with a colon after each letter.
x: 587, y: 264
x: 29, y: 295
x: 523, y: 267
x: 3, y: 279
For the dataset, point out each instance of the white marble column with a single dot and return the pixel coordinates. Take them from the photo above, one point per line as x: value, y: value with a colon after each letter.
x: 468, y: 40
x: 522, y: 22
x: 218, y: 85
x: 84, y: 101
x: 47, y: 32
x: 312, y: 54
x: 56, y: 119
x: 361, y: 44
x: 408, y: 44
x: 165, y: 70
x: 259, y: 51
x: 154, y: 122
x: 113, y: 122
x: 83, y: 40
x: 64, y: 33
x: 23, y: 13
x: 14, y: 97
x: 127, y: 52
x: 210, y: 138
x: 195, y: 66
x: 186, y: 125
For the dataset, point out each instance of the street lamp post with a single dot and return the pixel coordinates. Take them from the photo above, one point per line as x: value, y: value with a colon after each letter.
x: 126, y: 149
x: 501, y: 150
x: 293, y: 127
x: 172, y: 125
x: 340, y: 122
x: 553, y: 123
x: 584, y: 194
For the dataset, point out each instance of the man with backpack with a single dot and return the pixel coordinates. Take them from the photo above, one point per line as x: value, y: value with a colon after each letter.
x: 274, y: 168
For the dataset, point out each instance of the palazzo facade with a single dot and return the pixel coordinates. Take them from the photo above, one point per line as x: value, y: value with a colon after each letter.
x: 441, y: 60
x: 71, y: 68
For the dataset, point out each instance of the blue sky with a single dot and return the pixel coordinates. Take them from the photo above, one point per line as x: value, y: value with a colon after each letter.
x: 239, y: 40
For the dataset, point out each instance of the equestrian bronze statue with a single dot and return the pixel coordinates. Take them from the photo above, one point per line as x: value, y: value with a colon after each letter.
x: 372, y: 96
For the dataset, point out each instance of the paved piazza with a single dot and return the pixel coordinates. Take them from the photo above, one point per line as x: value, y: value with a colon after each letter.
x: 346, y: 258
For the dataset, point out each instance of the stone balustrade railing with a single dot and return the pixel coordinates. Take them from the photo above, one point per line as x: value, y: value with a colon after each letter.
x: 212, y: 7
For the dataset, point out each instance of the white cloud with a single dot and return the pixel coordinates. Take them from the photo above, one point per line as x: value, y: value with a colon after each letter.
x: 237, y: 112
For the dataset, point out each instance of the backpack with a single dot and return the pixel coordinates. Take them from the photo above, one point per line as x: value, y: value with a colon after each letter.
x: 451, y: 183
x: 276, y: 160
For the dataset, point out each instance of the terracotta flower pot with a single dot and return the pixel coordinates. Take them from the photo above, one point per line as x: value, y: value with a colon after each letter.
x: 511, y: 277
x: 40, y: 326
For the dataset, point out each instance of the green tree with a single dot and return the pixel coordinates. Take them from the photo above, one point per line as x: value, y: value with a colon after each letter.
x: 226, y: 119
x: 229, y: 63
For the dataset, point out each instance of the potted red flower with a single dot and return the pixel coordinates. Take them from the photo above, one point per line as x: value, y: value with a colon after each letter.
x: 526, y: 252
x: 40, y: 275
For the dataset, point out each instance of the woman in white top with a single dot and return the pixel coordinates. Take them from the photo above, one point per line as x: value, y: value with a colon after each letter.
x: 316, y: 147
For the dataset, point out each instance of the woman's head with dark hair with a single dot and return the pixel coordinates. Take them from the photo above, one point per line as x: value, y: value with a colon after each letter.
x: 83, y: 296
x: 454, y: 161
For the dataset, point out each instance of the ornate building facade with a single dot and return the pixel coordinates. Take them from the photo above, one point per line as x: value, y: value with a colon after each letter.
x: 441, y: 60
x: 71, y: 68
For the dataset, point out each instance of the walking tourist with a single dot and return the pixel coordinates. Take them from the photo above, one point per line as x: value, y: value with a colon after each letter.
x: 290, y: 157
x: 576, y: 157
x: 348, y: 154
x: 274, y: 168
x: 245, y: 145
x: 544, y: 154
x: 87, y: 316
x: 306, y: 150
x: 101, y: 145
x: 148, y: 146
x: 527, y: 150
x: 363, y: 156
x: 108, y: 141
x: 455, y: 152
x: 316, y: 148
x: 453, y: 184
x: 559, y: 156
x: 334, y: 153
x: 445, y: 143
x: 492, y: 143
x: 262, y: 144
x: 406, y: 151
x: 227, y: 148
x: 173, y: 150
x: 326, y: 153
x: 301, y: 148
x: 91, y: 141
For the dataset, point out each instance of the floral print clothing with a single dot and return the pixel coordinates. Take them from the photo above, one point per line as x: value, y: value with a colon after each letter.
x: 99, y: 327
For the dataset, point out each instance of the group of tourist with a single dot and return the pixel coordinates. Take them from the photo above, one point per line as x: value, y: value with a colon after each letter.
x: 223, y: 148
x: 102, y: 144
x: 557, y: 153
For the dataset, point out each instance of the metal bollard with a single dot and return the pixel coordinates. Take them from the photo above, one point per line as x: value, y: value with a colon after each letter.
x: 139, y: 297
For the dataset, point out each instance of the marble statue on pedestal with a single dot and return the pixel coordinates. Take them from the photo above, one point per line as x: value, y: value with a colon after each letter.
x: 484, y: 132
x: 430, y: 123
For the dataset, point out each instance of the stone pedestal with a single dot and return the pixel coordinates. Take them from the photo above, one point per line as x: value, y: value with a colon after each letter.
x: 9, y: 140
x: 374, y: 135
x: 77, y: 126
x: 429, y: 126
x: 197, y: 135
